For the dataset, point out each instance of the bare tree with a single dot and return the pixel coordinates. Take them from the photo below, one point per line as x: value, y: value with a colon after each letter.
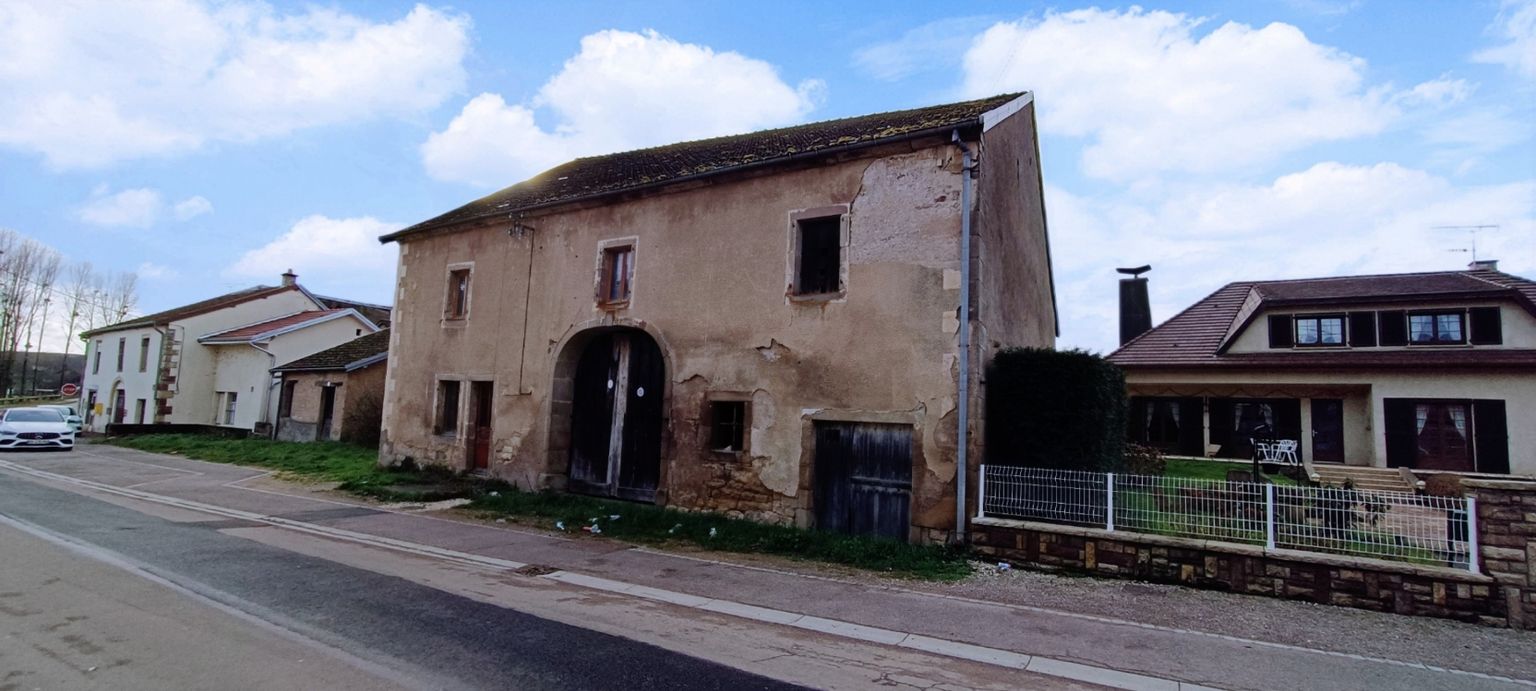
x: 78, y: 293
x: 28, y: 270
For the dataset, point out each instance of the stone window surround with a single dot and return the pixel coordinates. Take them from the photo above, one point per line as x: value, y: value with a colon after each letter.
x: 435, y: 414
x: 792, y: 258
x: 600, y: 272
x: 469, y: 294
x: 708, y: 420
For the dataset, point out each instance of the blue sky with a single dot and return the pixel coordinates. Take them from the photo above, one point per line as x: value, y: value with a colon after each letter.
x: 210, y: 146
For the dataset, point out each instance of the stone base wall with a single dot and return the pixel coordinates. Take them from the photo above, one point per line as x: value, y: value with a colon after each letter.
x: 1506, y: 531
x: 1321, y: 578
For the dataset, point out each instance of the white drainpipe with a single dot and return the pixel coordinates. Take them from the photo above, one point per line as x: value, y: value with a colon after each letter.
x: 962, y: 463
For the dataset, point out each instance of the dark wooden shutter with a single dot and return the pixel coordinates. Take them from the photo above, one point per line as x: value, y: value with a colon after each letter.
x: 1362, y: 329
x: 1393, y: 327
x: 1486, y: 327
x: 1402, y: 432
x: 1490, y: 436
x: 1281, y: 333
x: 1191, y: 427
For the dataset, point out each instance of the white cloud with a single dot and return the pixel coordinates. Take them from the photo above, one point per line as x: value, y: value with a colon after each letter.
x: 1153, y: 96
x: 136, y: 208
x: 334, y: 256
x: 151, y: 271
x: 1437, y: 92
x: 1330, y: 219
x: 935, y: 45
x: 87, y: 85
x: 192, y: 207
x: 1516, y: 26
x: 623, y: 90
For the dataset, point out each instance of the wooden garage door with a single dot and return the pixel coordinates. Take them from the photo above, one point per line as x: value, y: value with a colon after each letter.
x: 864, y: 478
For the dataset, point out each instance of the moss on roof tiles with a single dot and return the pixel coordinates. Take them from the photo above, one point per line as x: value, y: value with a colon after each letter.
x: 614, y: 173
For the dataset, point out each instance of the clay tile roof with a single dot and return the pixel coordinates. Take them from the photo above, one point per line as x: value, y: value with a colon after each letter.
x: 597, y: 176
x: 1195, y: 336
x: 194, y: 309
x: 342, y: 357
x: 245, y: 333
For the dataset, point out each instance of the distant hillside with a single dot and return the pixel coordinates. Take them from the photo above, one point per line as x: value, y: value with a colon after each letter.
x: 43, y: 371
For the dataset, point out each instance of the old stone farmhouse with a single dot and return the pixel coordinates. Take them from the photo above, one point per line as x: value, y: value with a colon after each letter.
x: 766, y: 324
x: 336, y: 394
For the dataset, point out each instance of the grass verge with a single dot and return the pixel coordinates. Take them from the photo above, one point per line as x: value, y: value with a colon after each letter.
x: 356, y: 470
x: 1215, y: 470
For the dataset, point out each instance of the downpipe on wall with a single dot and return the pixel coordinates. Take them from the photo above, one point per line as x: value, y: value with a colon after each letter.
x: 266, y: 392
x: 962, y: 462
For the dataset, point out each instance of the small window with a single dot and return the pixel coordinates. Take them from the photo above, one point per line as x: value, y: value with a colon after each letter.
x: 1430, y: 328
x: 458, y: 294
x: 122, y: 347
x: 727, y: 426
x: 618, y: 275
x: 229, y: 407
x: 144, y: 354
x: 818, y: 269
x: 285, y: 399
x: 1320, y: 330
x: 447, y: 418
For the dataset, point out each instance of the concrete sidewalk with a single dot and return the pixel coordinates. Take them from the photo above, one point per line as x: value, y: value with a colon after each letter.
x: 1193, y: 654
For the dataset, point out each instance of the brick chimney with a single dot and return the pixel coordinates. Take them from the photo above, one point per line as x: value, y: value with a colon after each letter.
x: 1135, y: 308
x: 1483, y: 265
x: 289, y: 278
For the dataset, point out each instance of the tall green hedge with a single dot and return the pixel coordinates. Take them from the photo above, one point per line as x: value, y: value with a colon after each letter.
x: 1055, y: 409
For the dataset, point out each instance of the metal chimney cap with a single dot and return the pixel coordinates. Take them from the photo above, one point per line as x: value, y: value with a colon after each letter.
x: 1136, y: 271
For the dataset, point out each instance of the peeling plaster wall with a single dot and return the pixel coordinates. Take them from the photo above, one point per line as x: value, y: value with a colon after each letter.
x: 710, y: 286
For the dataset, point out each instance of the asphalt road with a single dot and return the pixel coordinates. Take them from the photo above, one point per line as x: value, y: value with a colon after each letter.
x: 393, y: 631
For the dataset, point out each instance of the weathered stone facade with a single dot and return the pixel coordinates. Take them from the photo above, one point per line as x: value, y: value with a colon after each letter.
x: 712, y: 287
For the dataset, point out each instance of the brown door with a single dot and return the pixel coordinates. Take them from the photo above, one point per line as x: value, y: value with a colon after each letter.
x: 616, y: 417
x: 480, y: 399
x: 119, y: 407
x: 1327, y: 430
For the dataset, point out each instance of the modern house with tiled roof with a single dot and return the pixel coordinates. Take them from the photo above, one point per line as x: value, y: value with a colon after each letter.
x: 335, y: 394
x: 1423, y: 371
x: 207, y: 363
x: 783, y: 325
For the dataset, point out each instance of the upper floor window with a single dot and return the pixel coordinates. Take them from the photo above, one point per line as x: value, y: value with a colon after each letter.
x: 144, y: 354
x: 458, y: 294
x: 122, y: 345
x: 818, y: 261
x: 616, y: 282
x: 1320, y: 330
x: 96, y: 359
x: 1436, y: 327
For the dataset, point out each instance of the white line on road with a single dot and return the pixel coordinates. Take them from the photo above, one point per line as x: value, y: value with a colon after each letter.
x: 1061, y: 668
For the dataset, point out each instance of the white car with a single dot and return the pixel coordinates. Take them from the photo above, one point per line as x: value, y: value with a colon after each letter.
x: 70, y: 416
x: 35, y: 428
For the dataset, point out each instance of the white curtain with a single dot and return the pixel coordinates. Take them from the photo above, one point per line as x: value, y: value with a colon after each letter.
x: 1420, y: 415
x: 1459, y: 418
x: 1173, y: 411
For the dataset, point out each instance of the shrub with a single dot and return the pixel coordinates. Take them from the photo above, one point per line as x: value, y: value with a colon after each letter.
x: 1055, y: 409
x: 1144, y: 460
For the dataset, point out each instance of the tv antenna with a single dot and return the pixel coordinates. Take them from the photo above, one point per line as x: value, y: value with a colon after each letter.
x: 1472, y: 230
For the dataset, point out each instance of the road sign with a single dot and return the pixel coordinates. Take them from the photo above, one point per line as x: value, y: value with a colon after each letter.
x: 69, y: 390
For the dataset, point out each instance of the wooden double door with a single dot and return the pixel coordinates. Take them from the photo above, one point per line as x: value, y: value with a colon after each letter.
x: 863, y: 479
x: 616, y: 417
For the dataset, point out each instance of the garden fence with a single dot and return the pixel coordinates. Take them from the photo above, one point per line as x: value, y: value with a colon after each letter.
x: 1399, y: 526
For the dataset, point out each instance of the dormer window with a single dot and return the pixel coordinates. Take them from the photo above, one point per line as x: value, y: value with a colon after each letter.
x: 1321, y: 330
x: 1437, y: 328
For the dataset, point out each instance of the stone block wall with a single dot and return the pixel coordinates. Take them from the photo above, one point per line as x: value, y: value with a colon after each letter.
x: 1322, y: 578
x: 1506, y: 528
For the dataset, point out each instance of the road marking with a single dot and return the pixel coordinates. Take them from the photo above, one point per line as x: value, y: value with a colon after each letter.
x: 1066, y: 669
x: 289, y: 629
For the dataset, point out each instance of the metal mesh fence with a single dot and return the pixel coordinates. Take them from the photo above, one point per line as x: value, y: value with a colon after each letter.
x: 1385, y: 525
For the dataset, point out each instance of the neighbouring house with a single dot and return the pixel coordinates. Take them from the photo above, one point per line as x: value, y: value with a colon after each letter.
x: 208, y: 363
x: 1425, y: 371
x: 335, y: 394
x: 768, y: 324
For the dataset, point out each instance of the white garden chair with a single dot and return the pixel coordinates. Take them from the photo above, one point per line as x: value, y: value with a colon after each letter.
x: 1284, y: 451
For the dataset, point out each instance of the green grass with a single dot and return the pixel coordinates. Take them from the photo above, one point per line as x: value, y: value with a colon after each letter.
x: 356, y: 470
x: 1215, y: 470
